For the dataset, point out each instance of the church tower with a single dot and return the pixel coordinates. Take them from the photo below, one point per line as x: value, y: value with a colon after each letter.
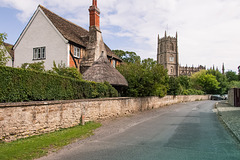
x: 167, y: 54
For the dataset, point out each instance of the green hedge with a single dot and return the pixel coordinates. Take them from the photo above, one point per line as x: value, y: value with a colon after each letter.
x: 18, y: 85
x: 193, y: 92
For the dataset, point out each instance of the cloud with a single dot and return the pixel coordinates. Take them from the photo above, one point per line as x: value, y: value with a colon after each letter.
x: 208, y: 29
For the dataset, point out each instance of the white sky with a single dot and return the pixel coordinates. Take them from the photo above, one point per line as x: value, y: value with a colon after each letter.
x: 208, y: 30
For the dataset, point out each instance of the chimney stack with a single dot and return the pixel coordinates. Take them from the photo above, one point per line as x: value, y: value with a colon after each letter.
x: 94, y: 15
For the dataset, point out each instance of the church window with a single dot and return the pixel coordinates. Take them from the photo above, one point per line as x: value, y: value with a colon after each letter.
x: 171, y: 59
x: 172, y: 47
x: 172, y: 69
x: 161, y: 48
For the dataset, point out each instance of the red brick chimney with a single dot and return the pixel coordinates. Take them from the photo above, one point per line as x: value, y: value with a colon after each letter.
x: 94, y: 15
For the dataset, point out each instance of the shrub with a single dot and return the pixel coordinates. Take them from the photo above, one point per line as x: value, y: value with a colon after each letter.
x: 62, y: 70
x: 18, y: 84
x: 193, y: 92
x: 37, y: 66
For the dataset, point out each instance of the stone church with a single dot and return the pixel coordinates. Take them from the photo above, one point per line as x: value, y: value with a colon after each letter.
x: 168, y: 56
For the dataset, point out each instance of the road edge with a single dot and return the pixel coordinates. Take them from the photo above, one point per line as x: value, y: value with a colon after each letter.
x: 224, y: 121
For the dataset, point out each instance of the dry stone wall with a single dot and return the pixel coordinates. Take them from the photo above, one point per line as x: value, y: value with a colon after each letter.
x: 21, y: 120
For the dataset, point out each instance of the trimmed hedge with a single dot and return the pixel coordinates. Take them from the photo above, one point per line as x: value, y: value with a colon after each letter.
x: 17, y: 85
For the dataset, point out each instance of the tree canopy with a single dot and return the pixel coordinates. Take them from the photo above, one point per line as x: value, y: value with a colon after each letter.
x: 205, y: 81
x: 4, y: 58
x: 231, y: 76
x: 127, y: 57
x: 146, y: 78
x: 222, y: 80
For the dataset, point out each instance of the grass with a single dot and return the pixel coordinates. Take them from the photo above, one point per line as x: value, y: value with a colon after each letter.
x: 38, y: 146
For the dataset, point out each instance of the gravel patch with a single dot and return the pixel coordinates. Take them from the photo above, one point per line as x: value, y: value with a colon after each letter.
x: 230, y: 116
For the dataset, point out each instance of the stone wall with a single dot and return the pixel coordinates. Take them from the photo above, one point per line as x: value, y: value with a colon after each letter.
x: 231, y: 96
x: 20, y: 120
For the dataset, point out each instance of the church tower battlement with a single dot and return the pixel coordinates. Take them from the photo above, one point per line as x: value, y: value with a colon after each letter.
x: 167, y: 54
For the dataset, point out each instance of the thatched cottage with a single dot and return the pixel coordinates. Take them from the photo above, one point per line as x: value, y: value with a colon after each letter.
x: 49, y: 37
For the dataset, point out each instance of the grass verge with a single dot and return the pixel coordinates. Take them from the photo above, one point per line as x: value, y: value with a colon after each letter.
x: 38, y: 146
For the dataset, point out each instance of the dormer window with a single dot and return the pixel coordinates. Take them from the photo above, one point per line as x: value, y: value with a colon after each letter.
x: 77, y: 52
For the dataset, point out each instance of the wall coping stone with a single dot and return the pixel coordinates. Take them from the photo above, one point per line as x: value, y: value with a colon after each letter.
x: 41, y: 103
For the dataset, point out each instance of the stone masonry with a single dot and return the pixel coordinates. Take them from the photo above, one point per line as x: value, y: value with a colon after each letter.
x: 168, y: 56
x: 24, y: 119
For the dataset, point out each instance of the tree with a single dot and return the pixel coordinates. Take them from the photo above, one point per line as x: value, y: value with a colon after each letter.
x: 231, y: 76
x: 205, y: 81
x: 234, y: 84
x: 126, y: 56
x: 184, y: 81
x: 146, y: 78
x: 222, y: 79
x: 174, y: 86
x: 3, y: 50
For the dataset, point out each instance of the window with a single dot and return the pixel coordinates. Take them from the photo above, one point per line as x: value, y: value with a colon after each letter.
x: 114, y: 63
x: 172, y: 46
x: 172, y: 69
x: 77, y: 52
x: 161, y: 48
x: 171, y: 59
x: 39, y: 53
x: 161, y: 59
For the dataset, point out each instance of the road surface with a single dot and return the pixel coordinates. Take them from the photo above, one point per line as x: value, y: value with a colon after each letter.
x: 187, y: 131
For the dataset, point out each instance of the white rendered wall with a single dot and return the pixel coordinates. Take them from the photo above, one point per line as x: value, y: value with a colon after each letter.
x: 41, y: 34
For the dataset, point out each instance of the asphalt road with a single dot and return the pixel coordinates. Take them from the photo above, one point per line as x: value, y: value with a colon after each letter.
x: 187, y: 131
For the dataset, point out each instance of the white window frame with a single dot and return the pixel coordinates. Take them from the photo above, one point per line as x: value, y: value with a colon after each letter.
x: 171, y: 59
x: 114, y: 63
x: 77, y: 52
x: 39, y: 53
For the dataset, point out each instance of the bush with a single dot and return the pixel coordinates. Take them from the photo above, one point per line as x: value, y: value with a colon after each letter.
x: 62, y: 70
x: 26, y: 85
x: 234, y: 84
x: 193, y: 92
x: 37, y: 66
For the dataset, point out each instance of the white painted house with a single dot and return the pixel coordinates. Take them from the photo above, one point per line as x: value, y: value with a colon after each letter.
x: 49, y: 37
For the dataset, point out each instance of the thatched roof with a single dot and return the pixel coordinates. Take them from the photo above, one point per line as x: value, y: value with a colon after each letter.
x: 102, y: 71
x: 10, y: 49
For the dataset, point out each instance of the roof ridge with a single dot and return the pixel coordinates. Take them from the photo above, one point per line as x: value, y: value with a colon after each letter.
x: 42, y: 7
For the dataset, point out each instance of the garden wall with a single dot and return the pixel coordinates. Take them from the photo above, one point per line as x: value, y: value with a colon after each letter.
x: 24, y: 119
